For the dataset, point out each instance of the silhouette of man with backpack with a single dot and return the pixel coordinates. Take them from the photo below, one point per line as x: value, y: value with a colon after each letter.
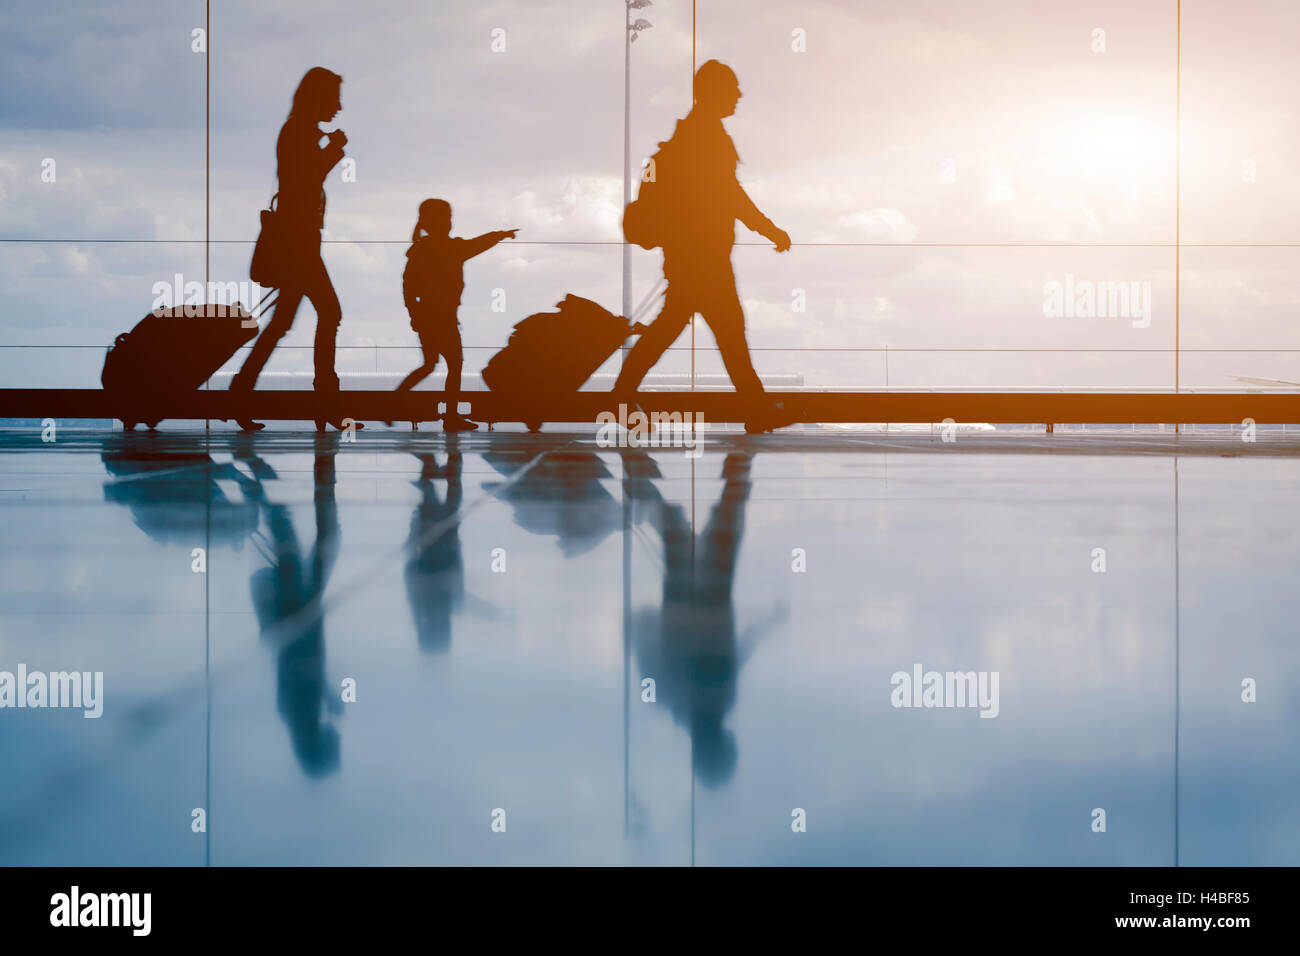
x: 689, y: 204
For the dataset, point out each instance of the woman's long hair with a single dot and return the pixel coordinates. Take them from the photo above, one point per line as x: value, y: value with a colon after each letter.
x: 316, y: 85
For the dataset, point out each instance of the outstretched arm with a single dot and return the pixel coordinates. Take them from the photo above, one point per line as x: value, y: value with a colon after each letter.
x: 750, y: 215
x: 483, y: 243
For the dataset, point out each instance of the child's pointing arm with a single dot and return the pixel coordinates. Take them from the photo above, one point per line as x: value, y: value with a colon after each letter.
x: 486, y: 241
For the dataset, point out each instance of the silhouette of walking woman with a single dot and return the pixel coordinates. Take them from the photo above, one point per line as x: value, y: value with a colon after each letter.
x: 301, y: 167
x: 698, y: 169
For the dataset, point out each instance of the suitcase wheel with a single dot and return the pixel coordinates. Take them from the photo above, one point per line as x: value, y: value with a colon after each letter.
x: 153, y: 424
x: 534, y: 426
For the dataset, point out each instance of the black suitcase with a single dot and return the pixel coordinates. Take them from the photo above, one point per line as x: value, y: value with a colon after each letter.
x: 168, y: 352
x: 553, y: 353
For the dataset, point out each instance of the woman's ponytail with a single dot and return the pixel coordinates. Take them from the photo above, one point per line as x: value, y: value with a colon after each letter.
x: 431, y: 210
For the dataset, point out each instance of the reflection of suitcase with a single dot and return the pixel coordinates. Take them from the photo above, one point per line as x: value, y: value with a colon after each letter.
x: 168, y: 352
x: 553, y: 353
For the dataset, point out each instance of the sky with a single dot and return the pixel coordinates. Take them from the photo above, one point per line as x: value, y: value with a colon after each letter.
x: 938, y: 165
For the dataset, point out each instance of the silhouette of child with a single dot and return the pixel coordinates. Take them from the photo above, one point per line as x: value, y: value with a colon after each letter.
x: 431, y: 286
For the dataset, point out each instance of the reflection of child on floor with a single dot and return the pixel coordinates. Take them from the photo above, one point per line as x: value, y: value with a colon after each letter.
x: 432, y: 285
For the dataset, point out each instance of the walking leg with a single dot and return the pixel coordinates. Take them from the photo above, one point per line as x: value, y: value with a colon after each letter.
x: 454, y: 355
x: 320, y: 292
x: 286, y: 307
x: 281, y: 320
x: 727, y: 322
x: 419, y: 375
x: 726, y: 319
x: 654, y: 341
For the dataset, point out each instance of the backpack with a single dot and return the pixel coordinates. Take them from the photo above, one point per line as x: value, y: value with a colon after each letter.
x: 648, y: 218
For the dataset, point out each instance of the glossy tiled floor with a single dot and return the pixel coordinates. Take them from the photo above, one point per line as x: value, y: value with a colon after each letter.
x: 499, y: 601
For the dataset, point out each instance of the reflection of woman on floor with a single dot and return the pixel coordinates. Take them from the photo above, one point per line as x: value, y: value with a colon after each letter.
x: 286, y: 597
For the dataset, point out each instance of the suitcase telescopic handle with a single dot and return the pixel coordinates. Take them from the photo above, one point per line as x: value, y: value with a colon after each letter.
x: 263, y: 303
x: 644, y: 305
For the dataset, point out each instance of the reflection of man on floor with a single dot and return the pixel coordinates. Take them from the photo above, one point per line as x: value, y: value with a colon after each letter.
x: 690, y: 645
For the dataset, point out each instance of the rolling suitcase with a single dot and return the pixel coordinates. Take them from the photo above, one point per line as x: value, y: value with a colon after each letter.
x: 553, y: 353
x: 169, y: 352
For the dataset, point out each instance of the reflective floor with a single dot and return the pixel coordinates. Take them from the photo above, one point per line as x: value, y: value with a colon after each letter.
x: 513, y: 648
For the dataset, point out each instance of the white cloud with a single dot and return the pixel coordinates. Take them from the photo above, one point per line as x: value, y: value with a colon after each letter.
x: 878, y: 225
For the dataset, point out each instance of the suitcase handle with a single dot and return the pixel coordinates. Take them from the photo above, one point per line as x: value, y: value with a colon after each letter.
x: 264, y: 304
